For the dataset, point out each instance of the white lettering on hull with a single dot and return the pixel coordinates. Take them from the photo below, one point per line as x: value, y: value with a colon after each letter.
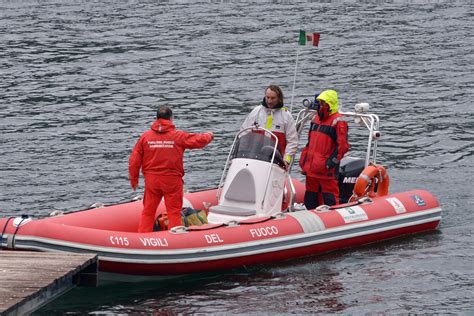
x: 119, y: 241
x: 154, y: 242
x: 213, y: 239
x: 263, y: 231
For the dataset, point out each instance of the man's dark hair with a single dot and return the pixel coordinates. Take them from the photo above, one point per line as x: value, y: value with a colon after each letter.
x: 164, y: 112
x: 277, y: 90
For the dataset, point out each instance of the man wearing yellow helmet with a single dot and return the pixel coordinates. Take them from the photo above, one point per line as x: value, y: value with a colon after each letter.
x: 327, y: 144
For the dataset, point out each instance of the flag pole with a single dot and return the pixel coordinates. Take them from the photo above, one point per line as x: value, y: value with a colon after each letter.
x: 314, y: 38
x: 294, y: 78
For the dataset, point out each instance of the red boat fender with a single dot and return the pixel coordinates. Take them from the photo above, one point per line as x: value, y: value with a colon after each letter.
x: 367, y: 177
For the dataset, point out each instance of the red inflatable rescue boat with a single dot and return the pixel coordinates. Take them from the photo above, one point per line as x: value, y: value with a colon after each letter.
x: 246, y: 223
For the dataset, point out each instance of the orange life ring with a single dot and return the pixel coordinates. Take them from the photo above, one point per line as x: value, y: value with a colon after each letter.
x: 365, y: 183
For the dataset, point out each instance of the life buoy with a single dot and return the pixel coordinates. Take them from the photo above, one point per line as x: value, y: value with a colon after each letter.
x: 365, y: 183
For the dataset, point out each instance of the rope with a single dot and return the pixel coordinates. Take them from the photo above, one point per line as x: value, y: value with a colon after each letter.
x: 23, y: 218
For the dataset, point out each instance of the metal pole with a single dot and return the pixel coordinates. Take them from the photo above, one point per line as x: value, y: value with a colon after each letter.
x: 294, y: 78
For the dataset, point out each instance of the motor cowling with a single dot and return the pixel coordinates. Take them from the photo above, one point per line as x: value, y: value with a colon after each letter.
x: 349, y: 169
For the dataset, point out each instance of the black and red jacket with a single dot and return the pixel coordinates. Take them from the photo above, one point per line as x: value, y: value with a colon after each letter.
x: 327, y: 144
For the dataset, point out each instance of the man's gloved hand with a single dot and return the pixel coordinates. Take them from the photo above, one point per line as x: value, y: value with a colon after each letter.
x: 331, y: 163
x: 134, y: 184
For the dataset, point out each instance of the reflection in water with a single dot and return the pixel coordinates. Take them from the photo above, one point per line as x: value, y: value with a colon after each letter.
x: 338, y: 282
x: 374, y: 277
x: 310, y: 287
x: 303, y: 287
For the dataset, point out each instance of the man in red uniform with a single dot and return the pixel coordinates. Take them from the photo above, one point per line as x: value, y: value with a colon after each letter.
x: 159, y: 153
x: 327, y: 144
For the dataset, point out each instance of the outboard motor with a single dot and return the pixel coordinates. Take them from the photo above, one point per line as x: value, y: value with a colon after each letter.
x: 254, y: 183
x: 349, y: 169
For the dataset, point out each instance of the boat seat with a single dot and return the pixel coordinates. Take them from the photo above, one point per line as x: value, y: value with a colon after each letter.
x: 230, y: 210
x: 242, y: 188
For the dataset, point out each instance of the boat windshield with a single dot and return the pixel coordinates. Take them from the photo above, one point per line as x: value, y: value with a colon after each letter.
x: 257, y: 145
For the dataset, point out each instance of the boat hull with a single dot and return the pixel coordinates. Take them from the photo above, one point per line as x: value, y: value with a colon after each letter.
x: 219, y: 247
x: 259, y: 259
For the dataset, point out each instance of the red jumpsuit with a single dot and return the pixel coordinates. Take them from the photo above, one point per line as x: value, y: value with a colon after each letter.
x: 327, y: 144
x: 159, y: 153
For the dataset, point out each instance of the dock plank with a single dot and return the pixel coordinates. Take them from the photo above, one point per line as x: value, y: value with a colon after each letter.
x: 28, y: 280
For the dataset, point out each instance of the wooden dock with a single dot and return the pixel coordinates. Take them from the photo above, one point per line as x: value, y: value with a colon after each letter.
x: 29, y: 280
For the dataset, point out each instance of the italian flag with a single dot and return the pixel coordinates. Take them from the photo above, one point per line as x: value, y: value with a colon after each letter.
x: 309, y: 38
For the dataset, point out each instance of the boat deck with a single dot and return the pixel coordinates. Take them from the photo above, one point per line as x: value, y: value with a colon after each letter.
x: 29, y: 280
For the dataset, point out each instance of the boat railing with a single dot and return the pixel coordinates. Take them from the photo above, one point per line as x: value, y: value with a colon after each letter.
x: 370, y: 121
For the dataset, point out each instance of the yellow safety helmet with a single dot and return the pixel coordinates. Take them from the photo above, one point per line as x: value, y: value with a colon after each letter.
x: 330, y: 97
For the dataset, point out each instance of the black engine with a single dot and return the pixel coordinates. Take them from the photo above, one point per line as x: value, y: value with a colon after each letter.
x: 349, y: 169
